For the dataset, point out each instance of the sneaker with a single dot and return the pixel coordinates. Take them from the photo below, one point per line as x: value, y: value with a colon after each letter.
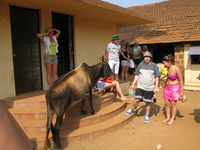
x: 130, y: 111
x: 147, y: 119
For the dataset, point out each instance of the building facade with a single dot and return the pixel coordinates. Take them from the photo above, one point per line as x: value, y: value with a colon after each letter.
x: 86, y: 28
x: 176, y: 31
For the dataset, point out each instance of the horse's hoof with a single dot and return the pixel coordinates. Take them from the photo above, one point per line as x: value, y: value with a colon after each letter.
x: 59, y: 146
x: 46, y: 147
x: 84, y: 112
x: 93, y: 112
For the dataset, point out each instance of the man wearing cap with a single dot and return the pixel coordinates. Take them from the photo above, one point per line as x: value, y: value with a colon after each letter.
x: 113, y: 50
x: 147, y: 75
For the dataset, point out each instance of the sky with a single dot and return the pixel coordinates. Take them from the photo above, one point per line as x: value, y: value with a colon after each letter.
x: 129, y: 3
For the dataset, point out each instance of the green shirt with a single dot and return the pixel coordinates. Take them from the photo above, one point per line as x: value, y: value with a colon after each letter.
x: 52, y: 48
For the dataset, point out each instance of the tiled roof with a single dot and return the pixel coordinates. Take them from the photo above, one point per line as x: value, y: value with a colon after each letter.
x: 176, y: 21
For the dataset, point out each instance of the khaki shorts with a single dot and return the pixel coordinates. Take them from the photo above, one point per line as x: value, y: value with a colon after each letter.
x: 50, y: 59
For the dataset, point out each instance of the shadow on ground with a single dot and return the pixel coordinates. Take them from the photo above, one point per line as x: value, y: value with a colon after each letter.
x: 196, y: 114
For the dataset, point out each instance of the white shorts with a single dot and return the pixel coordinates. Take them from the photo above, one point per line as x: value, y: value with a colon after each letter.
x: 125, y: 63
x: 114, y: 66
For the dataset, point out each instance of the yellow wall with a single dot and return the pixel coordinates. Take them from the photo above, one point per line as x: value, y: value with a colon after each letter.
x: 90, y: 40
x: 7, y: 83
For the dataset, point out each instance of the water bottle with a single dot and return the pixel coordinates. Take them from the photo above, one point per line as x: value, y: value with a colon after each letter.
x: 131, y: 93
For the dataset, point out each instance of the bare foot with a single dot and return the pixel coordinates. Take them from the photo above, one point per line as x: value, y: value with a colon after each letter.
x: 166, y: 120
x: 124, y: 98
x: 171, y: 122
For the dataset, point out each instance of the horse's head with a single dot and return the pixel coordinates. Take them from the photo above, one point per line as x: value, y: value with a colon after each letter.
x: 106, y: 71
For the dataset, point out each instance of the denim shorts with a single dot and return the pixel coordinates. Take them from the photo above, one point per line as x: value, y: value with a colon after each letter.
x: 125, y: 63
x: 101, y: 84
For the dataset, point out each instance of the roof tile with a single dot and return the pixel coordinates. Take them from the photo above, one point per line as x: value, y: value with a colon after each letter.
x: 176, y: 21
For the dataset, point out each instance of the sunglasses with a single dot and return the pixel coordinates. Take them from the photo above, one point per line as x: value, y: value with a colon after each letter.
x: 164, y: 59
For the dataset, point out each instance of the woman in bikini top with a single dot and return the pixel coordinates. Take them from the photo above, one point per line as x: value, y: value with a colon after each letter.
x: 173, y: 77
x: 174, y: 74
x: 172, y: 90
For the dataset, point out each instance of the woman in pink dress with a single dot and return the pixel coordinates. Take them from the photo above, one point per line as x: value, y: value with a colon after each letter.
x: 173, y: 88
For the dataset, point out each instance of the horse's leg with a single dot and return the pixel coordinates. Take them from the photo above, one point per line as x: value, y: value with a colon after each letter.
x: 90, y: 101
x: 83, y: 107
x: 49, y: 125
x: 60, y: 110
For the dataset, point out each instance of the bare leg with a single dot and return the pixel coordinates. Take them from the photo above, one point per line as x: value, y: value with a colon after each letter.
x: 167, y: 109
x: 126, y: 73
x: 148, y: 107
x: 122, y: 76
x: 118, y: 89
x: 135, y: 103
x: 122, y: 73
x: 174, y: 111
x: 49, y: 73
x: 55, y: 71
x: 116, y: 77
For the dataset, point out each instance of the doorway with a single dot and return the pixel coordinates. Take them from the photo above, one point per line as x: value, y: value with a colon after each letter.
x: 64, y: 23
x: 26, y: 49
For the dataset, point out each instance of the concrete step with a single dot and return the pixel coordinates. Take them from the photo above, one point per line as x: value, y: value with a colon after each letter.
x: 30, y: 99
x: 30, y: 113
x: 34, y: 99
x: 40, y: 113
x: 75, y: 120
x: 84, y: 133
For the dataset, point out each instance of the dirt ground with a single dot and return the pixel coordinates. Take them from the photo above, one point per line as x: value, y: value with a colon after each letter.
x: 184, y: 134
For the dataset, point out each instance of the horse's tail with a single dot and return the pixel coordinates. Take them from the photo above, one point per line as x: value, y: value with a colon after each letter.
x: 50, y: 113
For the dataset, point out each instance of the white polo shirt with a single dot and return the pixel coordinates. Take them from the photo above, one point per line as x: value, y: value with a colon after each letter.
x: 113, y: 50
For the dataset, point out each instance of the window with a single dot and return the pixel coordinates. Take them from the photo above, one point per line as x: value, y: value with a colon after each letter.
x: 195, y: 59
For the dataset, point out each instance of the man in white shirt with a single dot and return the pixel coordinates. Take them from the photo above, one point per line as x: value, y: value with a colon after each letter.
x: 113, y: 50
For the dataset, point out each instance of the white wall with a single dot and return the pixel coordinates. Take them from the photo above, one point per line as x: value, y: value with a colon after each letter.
x: 191, y: 70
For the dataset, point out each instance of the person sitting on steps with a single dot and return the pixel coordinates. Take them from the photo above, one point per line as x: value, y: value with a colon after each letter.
x: 107, y: 83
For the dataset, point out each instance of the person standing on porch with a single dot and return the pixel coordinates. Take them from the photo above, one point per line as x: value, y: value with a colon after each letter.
x: 112, y: 52
x: 124, y: 62
x: 51, y: 48
x: 136, y: 54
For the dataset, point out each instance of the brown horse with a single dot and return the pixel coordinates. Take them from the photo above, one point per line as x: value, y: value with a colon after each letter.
x: 69, y: 89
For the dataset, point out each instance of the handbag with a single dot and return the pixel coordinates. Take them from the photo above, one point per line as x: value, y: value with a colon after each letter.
x: 131, y: 63
x: 108, y: 80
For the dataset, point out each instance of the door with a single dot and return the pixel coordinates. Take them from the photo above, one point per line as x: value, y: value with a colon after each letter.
x: 26, y: 49
x: 64, y: 23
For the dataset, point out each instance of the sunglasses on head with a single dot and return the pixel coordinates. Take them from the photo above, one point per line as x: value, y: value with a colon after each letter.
x: 164, y: 59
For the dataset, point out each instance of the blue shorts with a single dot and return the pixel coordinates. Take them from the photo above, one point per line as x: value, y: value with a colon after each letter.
x: 101, y: 84
x: 146, y: 96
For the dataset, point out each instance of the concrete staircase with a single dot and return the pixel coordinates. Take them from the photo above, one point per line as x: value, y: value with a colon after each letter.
x: 30, y: 112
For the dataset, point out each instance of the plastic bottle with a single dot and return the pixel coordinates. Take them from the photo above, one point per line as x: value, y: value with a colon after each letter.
x: 131, y: 93
x: 154, y: 98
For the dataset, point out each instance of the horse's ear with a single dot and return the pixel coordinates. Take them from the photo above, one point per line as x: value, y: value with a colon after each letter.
x: 103, y: 59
